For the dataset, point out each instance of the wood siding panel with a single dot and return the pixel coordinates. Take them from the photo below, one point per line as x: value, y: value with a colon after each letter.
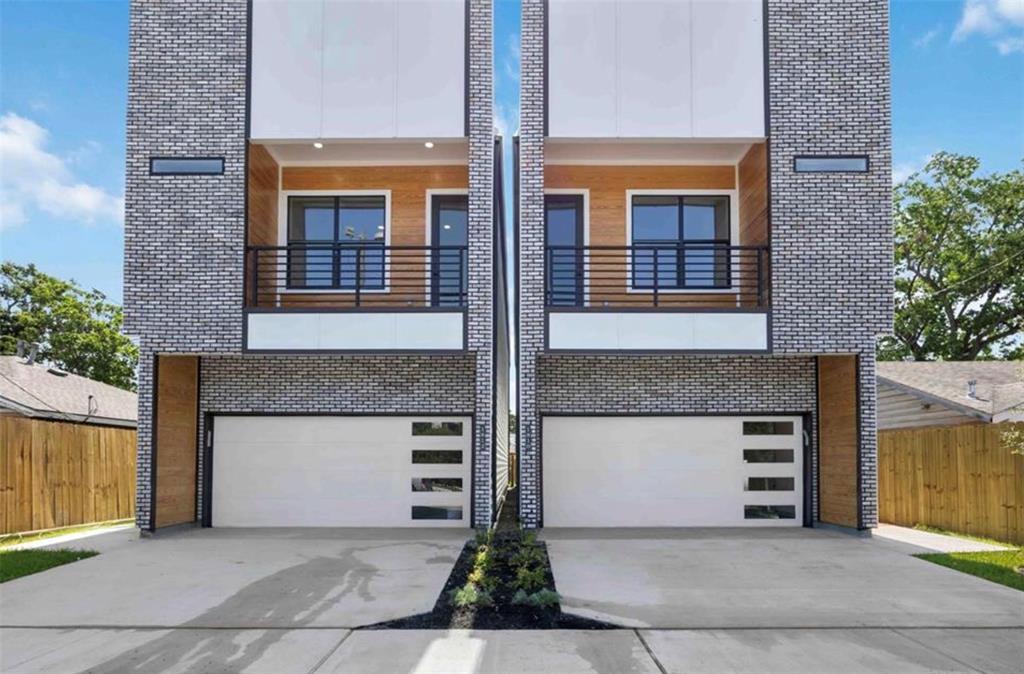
x: 753, y: 194
x: 837, y: 435
x: 961, y: 478
x: 607, y: 187
x: 176, y: 439
x: 58, y: 474
x: 264, y: 175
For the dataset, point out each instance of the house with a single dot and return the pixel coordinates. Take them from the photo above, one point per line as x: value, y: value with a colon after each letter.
x: 67, y: 444
x: 314, y: 264
x: 949, y: 393
x: 704, y: 261
x: 36, y: 391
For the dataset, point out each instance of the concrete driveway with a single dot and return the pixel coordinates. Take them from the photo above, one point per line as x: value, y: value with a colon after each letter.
x: 766, y: 578
x: 240, y: 578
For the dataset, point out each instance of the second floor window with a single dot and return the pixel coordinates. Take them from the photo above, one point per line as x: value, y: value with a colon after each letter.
x: 680, y: 242
x: 337, y: 242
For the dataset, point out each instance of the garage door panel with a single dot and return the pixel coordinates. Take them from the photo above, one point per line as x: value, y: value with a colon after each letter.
x: 330, y: 471
x: 668, y: 471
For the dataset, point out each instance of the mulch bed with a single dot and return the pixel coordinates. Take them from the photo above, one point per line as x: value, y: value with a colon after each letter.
x: 503, y: 614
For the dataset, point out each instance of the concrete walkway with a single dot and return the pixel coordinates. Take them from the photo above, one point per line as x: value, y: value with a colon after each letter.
x: 810, y: 651
x: 918, y: 541
x: 774, y: 578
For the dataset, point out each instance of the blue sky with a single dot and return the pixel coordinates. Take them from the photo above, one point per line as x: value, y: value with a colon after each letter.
x: 958, y: 84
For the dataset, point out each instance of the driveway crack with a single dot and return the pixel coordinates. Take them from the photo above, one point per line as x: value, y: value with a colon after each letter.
x: 657, y: 662
x: 329, y: 653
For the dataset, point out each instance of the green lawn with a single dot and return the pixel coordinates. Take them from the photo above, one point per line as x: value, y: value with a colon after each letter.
x: 998, y: 567
x: 18, y: 563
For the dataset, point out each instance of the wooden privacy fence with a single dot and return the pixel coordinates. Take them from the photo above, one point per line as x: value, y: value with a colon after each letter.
x: 959, y: 478
x: 56, y: 474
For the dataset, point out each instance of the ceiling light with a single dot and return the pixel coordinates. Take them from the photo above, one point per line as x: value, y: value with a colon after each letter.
x: 318, y: 145
x: 429, y: 145
x: 447, y: 226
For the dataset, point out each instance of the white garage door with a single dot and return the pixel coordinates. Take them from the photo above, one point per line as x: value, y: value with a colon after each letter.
x: 326, y: 471
x: 672, y: 471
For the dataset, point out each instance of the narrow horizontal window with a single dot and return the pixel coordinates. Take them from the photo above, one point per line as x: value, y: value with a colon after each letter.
x: 767, y: 428
x: 436, y: 456
x: 437, y: 484
x: 858, y: 164
x: 183, y: 166
x: 769, y: 512
x: 437, y: 428
x: 437, y: 512
x: 768, y: 456
x: 770, y: 484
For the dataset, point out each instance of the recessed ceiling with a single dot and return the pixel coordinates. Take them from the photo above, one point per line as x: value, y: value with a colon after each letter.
x: 370, y: 153
x: 618, y: 151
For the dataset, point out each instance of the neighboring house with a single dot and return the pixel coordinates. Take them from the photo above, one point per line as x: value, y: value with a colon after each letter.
x: 949, y: 393
x: 67, y: 444
x: 37, y: 391
x: 314, y: 263
x: 704, y: 261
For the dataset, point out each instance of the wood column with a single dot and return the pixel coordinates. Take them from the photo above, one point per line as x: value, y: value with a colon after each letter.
x: 838, y: 441
x: 176, y: 423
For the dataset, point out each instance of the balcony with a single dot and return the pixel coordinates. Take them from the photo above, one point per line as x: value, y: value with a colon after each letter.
x: 356, y: 296
x: 693, y: 296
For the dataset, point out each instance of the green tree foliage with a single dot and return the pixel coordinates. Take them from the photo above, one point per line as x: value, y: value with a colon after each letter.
x: 959, y: 263
x: 77, y: 330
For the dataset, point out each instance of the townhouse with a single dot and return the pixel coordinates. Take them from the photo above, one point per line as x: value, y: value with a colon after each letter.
x: 704, y: 261
x: 314, y: 263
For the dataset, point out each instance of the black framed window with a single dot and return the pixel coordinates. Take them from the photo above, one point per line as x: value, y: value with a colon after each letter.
x: 449, y: 275
x: 563, y: 238
x: 830, y: 164
x: 680, y: 242
x: 186, y: 166
x: 332, y: 241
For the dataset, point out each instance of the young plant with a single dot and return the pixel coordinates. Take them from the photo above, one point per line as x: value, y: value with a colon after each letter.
x: 527, y: 556
x: 539, y: 599
x: 471, y: 595
x: 529, y: 580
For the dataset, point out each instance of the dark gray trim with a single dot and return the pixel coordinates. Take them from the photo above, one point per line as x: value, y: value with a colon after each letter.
x: 860, y: 448
x: 208, y: 420
x: 808, y: 468
x: 817, y: 432
x: 245, y: 195
x: 198, y: 436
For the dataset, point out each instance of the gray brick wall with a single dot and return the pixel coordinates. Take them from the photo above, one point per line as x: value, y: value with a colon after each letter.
x: 831, y: 243
x: 185, y: 237
x: 481, y: 248
x: 531, y: 251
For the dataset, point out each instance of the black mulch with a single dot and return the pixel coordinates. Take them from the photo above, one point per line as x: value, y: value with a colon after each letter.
x: 503, y: 614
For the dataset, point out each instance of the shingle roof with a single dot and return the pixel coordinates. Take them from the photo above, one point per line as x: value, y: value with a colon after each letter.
x: 38, y: 391
x: 1000, y: 384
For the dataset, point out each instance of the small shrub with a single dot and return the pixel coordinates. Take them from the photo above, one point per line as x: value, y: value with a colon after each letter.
x: 471, y: 595
x: 529, y: 579
x: 539, y: 599
x: 484, y: 537
x: 527, y: 556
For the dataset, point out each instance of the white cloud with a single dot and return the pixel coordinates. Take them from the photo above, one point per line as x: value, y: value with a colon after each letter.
x: 1002, y: 21
x: 32, y: 178
x: 904, y: 169
x: 925, y: 39
x: 512, y: 58
x: 506, y: 121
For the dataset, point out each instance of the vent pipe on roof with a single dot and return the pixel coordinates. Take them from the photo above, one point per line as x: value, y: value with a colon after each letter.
x: 32, y: 350
x: 21, y: 348
x: 972, y: 388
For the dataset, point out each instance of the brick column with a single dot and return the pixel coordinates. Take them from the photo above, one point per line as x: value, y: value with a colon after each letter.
x: 481, y: 272
x: 531, y: 254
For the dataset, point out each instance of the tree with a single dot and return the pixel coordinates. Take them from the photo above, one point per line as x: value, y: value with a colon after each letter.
x: 76, y: 330
x: 959, y: 263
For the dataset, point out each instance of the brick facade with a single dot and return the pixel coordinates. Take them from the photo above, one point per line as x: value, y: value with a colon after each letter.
x: 185, y: 242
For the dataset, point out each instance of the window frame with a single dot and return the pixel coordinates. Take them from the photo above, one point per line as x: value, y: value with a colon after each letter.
x: 154, y: 159
x: 581, y: 199
x: 283, y: 222
x: 439, y: 195
x: 732, y: 211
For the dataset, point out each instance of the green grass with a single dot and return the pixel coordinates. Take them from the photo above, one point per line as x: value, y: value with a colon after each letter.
x: 998, y: 567
x: 18, y: 563
x: 7, y: 540
x: 957, y: 534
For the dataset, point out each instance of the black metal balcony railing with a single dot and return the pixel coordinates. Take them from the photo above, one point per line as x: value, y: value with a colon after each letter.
x: 683, y: 275
x: 356, y: 274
